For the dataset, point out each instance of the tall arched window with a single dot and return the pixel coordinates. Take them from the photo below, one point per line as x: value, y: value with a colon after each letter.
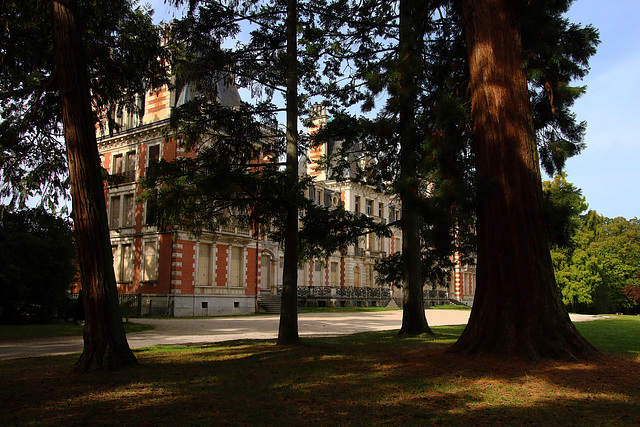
x: 356, y: 276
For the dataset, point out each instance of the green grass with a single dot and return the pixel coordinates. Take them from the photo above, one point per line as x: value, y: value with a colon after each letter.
x: 449, y: 307
x: 616, y: 334
x: 367, y: 379
x: 16, y: 332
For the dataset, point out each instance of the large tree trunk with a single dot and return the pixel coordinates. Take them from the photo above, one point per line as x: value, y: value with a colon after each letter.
x: 288, y: 330
x: 517, y: 310
x: 105, y: 343
x: 409, y: 64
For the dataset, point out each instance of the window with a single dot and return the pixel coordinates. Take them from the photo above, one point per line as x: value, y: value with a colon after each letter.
x: 356, y: 277
x: 357, y: 205
x: 124, y: 166
x: 235, y: 267
x: 153, y: 157
x: 319, y: 197
x: 380, y: 210
x: 149, y: 263
x: 117, y: 164
x: 122, y: 211
x: 151, y: 210
x: 204, y: 264
x: 327, y: 198
x: 123, y: 262
x: 392, y: 214
x: 130, y: 165
x: 129, y: 211
x: 130, y: 117
x: 316, y: 276
x: 369, y: 207
x: 154, y: 154
x: 127, y: 264
x: 265, y: 275
x: 334, y: 274
x: 114, y: 214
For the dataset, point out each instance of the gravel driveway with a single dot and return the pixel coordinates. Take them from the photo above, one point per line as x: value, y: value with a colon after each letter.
x: 174, y: 331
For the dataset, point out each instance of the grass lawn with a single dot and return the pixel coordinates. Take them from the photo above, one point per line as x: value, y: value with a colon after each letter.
x: 15, y: 332
x: 449, y: 307
x: 373, y: 378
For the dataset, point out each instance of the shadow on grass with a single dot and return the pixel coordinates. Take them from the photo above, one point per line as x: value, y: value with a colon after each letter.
x: 364, y: 379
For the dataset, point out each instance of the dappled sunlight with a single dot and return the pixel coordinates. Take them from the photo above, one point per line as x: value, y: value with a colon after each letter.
x: 576, y: 367
x: 370, y: 379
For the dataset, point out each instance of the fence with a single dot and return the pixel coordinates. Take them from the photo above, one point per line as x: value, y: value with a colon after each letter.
x: 139, y: 305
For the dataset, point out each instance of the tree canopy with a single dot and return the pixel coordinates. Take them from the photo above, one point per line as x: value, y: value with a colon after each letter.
x: 37, y: 265
x: 124, y: 59
x: 595, y: 258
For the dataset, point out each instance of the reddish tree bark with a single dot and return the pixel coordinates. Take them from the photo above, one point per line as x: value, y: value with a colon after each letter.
x: 105, y: 343
x: 517, y: 310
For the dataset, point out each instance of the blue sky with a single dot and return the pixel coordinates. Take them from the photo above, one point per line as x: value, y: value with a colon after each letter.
x: 608, y: 170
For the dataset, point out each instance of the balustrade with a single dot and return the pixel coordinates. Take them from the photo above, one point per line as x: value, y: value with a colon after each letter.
x: 340, y: 292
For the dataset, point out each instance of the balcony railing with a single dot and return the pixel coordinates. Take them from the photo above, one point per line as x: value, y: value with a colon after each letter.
x: 122, y: 177
x: 235, y: 230
x: 341, y: 292
x: 435, y: 295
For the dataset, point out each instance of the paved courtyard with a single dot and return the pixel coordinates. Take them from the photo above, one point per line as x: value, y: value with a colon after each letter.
x: 173, y: 331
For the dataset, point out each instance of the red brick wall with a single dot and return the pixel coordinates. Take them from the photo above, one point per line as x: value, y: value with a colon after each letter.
x: 221, y: 265
x: 253, y: 272
x: 188, y: 266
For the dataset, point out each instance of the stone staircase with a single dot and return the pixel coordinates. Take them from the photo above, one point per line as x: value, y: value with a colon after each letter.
x: 269, y: 304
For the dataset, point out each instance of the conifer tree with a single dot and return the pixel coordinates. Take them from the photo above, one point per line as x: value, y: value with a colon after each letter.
x: 105, y: 343
x: 124, y: 58
x: 238, y: 167
x: 555, y: 52
x: 517, y: 308
x: 104, y: 53
x: 409, y: 55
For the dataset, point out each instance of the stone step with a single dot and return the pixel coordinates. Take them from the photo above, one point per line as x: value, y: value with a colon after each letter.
x: 270, y: 304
